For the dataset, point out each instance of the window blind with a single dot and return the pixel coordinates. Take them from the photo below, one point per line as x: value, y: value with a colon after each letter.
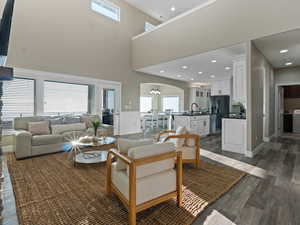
x: 18, y: 98
x: 65, y: 98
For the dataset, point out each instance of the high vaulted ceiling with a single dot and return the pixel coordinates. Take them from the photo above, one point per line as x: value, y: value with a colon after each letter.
x: 200, y: 68
x: 272, y: 45
x: 161, y: 9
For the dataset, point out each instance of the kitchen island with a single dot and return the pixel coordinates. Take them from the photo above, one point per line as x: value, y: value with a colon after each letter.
x: 196, y: 124
x: 234, y: 135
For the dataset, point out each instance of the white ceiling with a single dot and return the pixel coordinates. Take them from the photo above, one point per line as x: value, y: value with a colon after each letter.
x: 161, y: 9
x: 199, y: 63
x: 272, y: 45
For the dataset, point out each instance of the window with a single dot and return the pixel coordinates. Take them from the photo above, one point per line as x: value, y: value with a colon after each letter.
x: 107, y: 9
x: 171, y: 103
x: 65, y: 98
x: 149, y: 26
x: 145, y: 104
x: 18, y: 100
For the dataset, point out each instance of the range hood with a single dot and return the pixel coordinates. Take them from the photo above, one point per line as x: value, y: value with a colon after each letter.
x: 6, y: 73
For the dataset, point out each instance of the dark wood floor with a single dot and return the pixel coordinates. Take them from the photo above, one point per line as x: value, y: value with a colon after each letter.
x: 271, y: 196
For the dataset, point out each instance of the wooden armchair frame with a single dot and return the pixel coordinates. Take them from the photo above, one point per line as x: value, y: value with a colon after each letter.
x: 185, y: 137
x: 130, y: 204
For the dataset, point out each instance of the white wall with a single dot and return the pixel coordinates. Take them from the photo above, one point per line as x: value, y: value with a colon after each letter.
x: 221, y: 24
x: 68, y: 37
x: 289, y: 75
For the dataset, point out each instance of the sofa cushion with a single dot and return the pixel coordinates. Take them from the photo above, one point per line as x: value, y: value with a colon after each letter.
x: 62, y: 128
x: 46, y: 139
x: 148, y: 151
x: 21, y: 123
x: 88, y: 119
x: 125, y: 144
x: 39, y: 128
x: 147, y: 188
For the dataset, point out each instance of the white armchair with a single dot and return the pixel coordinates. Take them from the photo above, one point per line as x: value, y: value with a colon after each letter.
x: 149, y: 179
x: 188, y: 144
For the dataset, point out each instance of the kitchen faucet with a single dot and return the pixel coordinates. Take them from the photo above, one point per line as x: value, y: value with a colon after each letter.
x: 192, y: 106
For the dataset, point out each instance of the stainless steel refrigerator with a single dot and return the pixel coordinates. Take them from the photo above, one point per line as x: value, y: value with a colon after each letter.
x: 219, y: 108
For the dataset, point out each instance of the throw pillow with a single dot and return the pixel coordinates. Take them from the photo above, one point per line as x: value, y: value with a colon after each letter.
x: 39, y: 128
x: 125, y: 144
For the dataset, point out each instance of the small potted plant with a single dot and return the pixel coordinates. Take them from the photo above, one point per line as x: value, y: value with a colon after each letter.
x: 96, y: 125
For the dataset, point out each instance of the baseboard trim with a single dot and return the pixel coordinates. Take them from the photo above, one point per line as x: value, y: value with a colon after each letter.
x: 251, y: 154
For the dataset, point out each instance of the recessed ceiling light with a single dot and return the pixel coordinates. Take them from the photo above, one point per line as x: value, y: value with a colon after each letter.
x: 173, y: 8
x: 162, y: 71
x: 192, y: 78
x: 200, y: 72
x: 212, y: 76
x: 184, y: 67
x: 227, y: 68
x: 284, y: 51
x: 213, y: 61
x: 288, y: 63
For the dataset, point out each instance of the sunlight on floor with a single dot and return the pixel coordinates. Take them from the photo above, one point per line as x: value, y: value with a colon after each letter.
x: 217, y: 218
x: 253, y: 170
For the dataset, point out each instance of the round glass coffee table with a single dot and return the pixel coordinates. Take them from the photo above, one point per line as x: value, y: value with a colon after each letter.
x: 93, y: 152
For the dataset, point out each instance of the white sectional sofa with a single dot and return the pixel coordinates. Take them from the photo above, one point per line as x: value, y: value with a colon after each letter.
x: 26, y: 144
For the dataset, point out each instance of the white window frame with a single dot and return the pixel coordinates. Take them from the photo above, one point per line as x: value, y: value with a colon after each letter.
x: 170, y: 96
x: 105, y: 5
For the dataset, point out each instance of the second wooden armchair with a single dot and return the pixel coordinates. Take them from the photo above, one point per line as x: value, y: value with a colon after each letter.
x: 189, y: 145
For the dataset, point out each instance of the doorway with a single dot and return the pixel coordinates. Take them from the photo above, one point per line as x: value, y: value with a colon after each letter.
x: 109, y: 106
x: 288, y: 105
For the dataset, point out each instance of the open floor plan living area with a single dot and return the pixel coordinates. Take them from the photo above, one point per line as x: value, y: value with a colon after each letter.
x: 138, y: 112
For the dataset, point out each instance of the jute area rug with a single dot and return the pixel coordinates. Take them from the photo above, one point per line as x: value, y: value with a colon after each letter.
x: 50, y: 191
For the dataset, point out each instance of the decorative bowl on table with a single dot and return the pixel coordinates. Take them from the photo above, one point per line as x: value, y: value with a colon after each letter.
x: 88, y: 139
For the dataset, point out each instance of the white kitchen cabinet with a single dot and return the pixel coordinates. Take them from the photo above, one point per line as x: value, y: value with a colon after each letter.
x: 221, y: 87
x: 239, y: 80
x: 200, y: 96
x: 195, y: 124
x: 234, y: 135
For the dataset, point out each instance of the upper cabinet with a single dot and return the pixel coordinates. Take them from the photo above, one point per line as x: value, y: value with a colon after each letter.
x: 221, y: 87
x: 200, y: 96
x: 240, y: 80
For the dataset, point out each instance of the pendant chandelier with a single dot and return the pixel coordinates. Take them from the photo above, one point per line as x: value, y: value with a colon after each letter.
x: 155, y: 91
